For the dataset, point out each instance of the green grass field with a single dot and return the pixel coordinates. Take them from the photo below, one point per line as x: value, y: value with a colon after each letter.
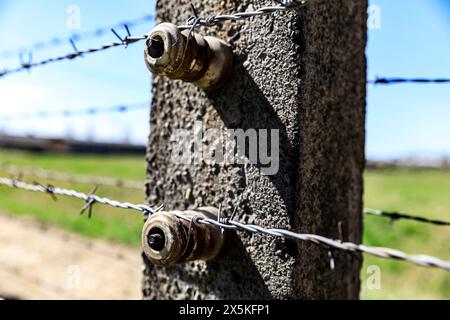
x: 107, y: 223
x: 424, y: 193
x: 420, y: 192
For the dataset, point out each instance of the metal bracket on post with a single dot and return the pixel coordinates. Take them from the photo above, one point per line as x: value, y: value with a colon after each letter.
x: 179, y: 54
x: 168, y: 240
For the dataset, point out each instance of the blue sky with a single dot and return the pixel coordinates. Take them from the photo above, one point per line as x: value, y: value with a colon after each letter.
x: 413, y: 41
x: 117, y: 76
x: 402, y: 120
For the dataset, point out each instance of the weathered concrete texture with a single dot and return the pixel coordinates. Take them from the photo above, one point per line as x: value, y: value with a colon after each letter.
x: 302, y: 73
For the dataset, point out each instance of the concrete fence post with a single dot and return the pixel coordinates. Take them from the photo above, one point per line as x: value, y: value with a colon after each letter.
x: 299, y: 82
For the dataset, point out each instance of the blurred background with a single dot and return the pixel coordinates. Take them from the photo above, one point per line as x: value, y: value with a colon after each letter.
x: 72, y: 111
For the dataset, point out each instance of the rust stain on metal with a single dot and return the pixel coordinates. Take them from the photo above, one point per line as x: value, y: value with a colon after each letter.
x: 205, y: 61
x: 168, y: 240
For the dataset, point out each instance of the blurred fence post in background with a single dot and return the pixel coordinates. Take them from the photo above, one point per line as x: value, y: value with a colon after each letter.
x: 300, y: 74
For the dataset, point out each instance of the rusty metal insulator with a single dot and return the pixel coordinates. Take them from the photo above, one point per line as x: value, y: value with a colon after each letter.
x: 168, y: 240
x: 205, y: 61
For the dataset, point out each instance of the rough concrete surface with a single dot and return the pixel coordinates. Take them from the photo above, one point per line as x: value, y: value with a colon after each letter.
x: 302, y: 73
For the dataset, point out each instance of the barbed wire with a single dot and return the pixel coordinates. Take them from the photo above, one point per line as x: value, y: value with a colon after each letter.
x: 229, y: 223
x: 284, y: 5
x: 76, y: 54
x: 193, y: 22
x: 18, y: 171
x: 77, y: 36
x: 45, y: 174
x: 405, y: 216
x: 388, y: 81
x: 90, y: 198
x: 72, y: 113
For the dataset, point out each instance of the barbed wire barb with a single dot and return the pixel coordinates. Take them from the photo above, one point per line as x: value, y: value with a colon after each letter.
x: 90, y: 201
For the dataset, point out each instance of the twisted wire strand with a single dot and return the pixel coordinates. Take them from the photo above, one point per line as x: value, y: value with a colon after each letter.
x: 73, y: 55
x: 388, y: 81
x: 285, y: 5
x: 386, y: 253
x: 89, y: 198
x: 404, y: 216
x: 71, y: 113
x: 41, y: 173
x: 59, y: 41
